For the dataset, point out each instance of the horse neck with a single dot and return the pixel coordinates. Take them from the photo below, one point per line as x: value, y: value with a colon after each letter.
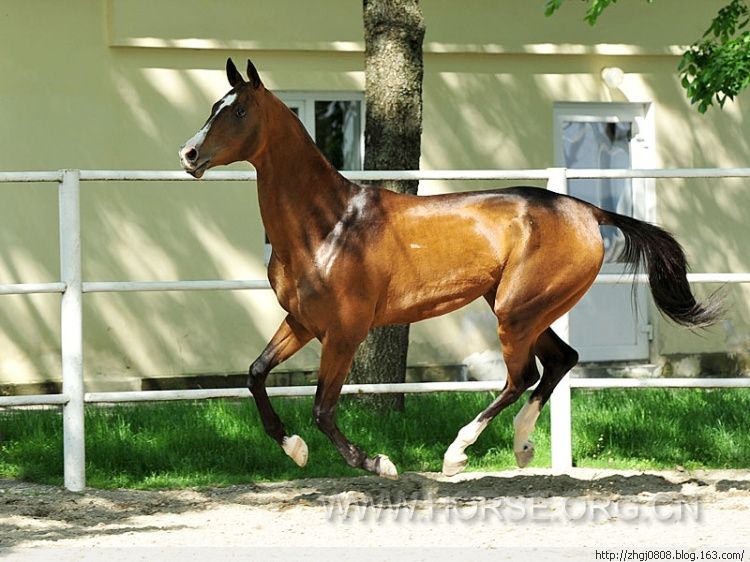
x: 301, y: 195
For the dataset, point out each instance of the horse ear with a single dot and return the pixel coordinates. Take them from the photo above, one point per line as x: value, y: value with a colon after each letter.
x: 253, y: 75
x: 233, y: 75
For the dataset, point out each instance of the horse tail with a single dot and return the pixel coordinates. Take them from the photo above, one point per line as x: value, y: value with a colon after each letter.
x: 655, y: 250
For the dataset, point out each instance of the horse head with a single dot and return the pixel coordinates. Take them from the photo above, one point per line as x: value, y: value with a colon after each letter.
x: 232, y: 131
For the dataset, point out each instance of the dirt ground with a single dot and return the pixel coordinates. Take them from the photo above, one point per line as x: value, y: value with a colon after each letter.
x: 510, y: 515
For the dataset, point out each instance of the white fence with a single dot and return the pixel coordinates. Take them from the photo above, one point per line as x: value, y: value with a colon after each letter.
x: 72, y: 287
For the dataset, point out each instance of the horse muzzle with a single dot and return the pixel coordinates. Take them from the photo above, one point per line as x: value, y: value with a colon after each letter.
x: 192, y: 162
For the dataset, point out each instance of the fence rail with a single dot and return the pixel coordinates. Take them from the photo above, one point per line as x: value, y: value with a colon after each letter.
x: 72, y: 288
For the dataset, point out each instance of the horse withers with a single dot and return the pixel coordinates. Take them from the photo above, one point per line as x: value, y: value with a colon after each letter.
x: 348, y: 258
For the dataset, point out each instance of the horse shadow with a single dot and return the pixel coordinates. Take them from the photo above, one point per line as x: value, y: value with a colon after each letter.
x: 416, y: 489
x: 34, y: 512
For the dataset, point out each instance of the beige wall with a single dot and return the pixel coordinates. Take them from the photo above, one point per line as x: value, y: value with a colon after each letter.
x: 121, y: 84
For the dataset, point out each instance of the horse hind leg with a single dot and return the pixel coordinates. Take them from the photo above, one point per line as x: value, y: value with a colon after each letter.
x: 522, y: 373
x: 288, y: 339
x: 557, y: 359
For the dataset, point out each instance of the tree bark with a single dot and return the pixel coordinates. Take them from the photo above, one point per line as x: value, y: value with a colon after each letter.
x: 394, y: 33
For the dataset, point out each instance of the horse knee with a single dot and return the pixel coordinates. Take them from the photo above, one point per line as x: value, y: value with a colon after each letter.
x: 530, y: 375
x: 257, y: 373
x: 562, y: 362
x: 323, y: 418
x: 555, y: 354
x: 570, y: 359
x: 518, y: 391
x: 524, y: 375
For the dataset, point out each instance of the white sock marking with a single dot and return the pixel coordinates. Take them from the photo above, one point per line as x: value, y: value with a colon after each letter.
x: 454, y: 460
x: 296, y: 448
x: 524, y: 424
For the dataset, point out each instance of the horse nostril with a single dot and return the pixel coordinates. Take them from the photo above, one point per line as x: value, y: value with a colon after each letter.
x: 189, y: 154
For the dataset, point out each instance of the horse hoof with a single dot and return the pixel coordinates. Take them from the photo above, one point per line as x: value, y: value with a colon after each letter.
x: 453, y: 463
x: 296, y: 448
x: 385, y: 468
x: 525, y: 455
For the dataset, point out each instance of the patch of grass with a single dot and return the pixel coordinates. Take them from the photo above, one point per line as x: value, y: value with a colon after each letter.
x: 662, y: 428
x: 221, y: 442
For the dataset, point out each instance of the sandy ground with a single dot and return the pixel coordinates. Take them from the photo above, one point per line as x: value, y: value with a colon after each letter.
x: 526, y: 514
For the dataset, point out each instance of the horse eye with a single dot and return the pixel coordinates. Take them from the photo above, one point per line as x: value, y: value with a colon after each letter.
x: 240, y: 112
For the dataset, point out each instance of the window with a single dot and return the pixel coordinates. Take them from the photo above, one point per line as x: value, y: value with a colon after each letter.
x: 336, y: 121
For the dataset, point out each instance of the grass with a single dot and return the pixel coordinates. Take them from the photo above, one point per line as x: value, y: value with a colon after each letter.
x: 221, y: 442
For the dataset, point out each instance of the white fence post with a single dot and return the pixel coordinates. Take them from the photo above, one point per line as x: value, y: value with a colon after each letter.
x: 559, y: 404
x: 71, y: 320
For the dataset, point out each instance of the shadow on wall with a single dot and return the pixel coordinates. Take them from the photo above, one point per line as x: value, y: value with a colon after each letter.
x: 497, y: 112
x: 480, y: 112
x: 140, y: 231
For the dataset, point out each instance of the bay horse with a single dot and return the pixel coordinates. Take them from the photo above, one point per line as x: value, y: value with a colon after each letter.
x: 347, y: 258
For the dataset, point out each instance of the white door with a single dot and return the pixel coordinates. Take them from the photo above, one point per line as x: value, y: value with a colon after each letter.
x: 606, y: 325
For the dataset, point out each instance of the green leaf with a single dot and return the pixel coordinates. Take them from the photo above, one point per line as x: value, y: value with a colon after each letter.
x: 552, y: 6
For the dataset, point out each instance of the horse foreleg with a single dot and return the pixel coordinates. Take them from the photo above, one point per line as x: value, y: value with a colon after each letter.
x: 288, y: 339
x: 557, y: 358
x: 336, y: 359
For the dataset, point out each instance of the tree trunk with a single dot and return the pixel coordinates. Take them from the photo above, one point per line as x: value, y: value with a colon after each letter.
x: 394, y: 32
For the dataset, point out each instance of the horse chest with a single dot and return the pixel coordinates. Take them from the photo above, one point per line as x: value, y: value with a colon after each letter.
x: 299, y: 288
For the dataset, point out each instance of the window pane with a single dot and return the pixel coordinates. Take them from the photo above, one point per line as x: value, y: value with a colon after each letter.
x: 338, y: 132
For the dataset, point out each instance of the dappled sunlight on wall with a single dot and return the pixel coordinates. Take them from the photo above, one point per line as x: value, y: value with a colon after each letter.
x: 29, y: 336
x: 195, y: 230
x: 496, y: 112
x: 96, y: 101
x: 29, y: 324
x: 707, y: 215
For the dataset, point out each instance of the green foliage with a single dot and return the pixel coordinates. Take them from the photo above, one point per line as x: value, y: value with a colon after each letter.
x: 714, y: 68
x: 595, y: 9
x: 717, y: 67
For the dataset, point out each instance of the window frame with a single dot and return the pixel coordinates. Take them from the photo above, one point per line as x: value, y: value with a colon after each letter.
x: 304, y: 101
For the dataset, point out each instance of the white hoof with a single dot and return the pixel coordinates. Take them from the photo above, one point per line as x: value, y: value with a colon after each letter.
x: 386, y: 469
x: 454, y: 462
x: 296, y: 448
x: 525, y: 455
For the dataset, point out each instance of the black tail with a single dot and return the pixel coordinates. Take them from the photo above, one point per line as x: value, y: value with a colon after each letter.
x: 654, y: 249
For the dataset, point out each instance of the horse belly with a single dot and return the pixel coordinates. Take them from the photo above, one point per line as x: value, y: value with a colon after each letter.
x: 417, y: 293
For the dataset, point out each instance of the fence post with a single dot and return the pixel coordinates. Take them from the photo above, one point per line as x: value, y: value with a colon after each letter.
x: 71, y: 337
x: 560, y: 414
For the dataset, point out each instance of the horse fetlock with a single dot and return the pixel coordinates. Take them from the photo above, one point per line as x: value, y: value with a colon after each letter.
x: 296, y: 449
x: 525, y: 454
x: 385, y: 467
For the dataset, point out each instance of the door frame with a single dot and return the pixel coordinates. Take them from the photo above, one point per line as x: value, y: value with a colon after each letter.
x: 642, y: 155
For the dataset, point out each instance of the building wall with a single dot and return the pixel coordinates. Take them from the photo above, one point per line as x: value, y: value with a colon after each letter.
x: 121, y: 84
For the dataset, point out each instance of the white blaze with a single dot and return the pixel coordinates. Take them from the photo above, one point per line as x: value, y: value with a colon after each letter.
x: 200, y: 136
